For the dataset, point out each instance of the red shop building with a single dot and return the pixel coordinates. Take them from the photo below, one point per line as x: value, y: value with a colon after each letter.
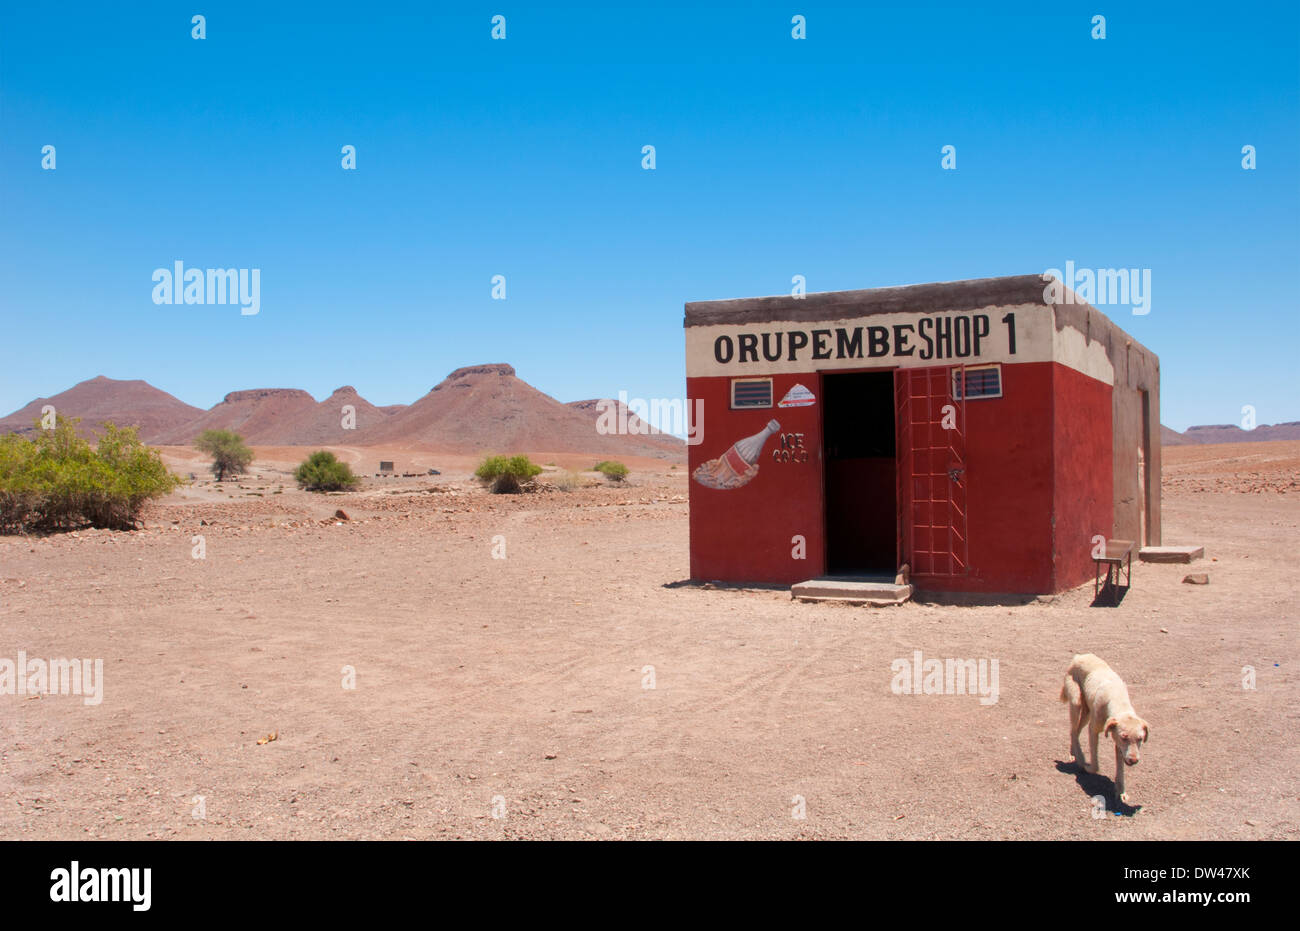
x: 983, y: 433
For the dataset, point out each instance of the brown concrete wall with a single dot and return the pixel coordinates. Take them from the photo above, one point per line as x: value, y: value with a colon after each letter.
x: 1136, y: 370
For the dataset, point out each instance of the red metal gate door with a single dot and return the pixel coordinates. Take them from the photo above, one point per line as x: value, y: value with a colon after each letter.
x: 930, y: 412
x: 903, y: 465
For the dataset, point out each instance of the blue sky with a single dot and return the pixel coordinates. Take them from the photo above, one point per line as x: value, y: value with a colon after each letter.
x: 522, y: 157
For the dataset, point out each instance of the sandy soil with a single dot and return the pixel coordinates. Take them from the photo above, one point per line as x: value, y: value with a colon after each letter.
x: 517, y: 686
x: 1249, y: 468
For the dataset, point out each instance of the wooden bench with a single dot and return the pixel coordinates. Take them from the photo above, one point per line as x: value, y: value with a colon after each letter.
x: 1118, y: 554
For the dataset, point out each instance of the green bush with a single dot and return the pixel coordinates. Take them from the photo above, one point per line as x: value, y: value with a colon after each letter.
x: 58, y: 481
x: 322, y: 471
x: 505, y: 474
x: 228, y: 452
x: 613, y: 471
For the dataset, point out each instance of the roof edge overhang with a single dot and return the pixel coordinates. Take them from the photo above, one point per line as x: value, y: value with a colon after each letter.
x: 934, y: 298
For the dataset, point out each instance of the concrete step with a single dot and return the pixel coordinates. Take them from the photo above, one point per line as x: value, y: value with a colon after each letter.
x: 1170, y: 553
x: 877, y: 593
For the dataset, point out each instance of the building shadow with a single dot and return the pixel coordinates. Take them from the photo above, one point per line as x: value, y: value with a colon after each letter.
x: 975, y: 599
x: 727, y: 586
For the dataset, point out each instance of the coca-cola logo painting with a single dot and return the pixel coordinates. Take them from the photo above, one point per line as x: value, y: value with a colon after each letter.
x: 738, y: 465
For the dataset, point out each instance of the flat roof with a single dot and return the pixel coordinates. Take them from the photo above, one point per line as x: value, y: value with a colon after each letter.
x: 970, y: 294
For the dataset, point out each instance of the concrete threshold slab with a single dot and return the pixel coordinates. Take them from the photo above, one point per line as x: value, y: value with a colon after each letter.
x: 1170, y: 553
x: 852, y: 591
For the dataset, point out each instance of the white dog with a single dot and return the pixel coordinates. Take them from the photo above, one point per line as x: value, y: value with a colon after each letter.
x: 1099, y: 699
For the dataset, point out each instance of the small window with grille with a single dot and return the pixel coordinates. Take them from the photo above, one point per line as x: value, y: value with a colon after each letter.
x: 751, y: 392
x: 981, y: 381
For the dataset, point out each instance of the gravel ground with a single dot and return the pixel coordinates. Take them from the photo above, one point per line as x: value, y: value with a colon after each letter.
x: 510, y: 697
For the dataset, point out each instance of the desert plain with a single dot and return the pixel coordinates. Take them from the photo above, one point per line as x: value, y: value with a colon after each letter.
x: 447, y: 663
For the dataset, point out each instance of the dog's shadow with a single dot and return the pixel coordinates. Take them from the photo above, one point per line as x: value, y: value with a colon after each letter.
x: 1094, y: 784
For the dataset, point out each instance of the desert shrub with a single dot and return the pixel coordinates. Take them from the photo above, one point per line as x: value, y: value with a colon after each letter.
x: 613, y: 471
x: 322, y: 471
x: 505, y: 474
x: 58, y: 481
x: 20, y: 485
x: 566, y: 481
x: 228, y: 452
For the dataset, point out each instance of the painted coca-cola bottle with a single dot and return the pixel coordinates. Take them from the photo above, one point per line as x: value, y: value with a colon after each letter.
x: 737, y: 465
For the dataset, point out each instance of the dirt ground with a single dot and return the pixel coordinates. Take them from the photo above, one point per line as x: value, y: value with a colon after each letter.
x: 508, y: 697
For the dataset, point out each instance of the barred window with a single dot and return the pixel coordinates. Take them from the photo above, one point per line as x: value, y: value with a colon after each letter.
x: 982, y: 381
x: 751, y: 392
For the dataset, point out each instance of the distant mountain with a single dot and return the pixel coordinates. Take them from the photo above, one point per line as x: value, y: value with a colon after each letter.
x: 617, y: 411
x: 325, y: 425
x: 132, y: 403
x: 488, y: 408
x: 1231, y: 433
x: 262, y: 416
x: 479, y: 408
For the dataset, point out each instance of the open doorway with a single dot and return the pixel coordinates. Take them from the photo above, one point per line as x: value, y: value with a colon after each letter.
x: 859, y: 458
